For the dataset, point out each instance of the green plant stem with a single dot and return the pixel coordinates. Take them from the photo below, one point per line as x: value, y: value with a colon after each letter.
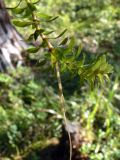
x: 93, y: 113
x: 57, y: 67
x: 62, y: 102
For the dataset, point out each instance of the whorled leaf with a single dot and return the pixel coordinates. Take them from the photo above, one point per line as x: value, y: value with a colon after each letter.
x: 18, y: 10
x: 43, y: 16
x: 21, y: 23
x: 96, y: 71
x: 66, y: 49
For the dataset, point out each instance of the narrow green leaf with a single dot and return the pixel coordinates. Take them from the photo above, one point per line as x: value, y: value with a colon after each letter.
x: 78, y: 51
x: 27, y: 13
x: 43, y: 15
x: 64, y: 41
x: 37, y: 33
x: 65, y: 50
x: 52, y: 19
x: 18, y: 10
x: 100, y: 78
x: 106, y: 77
x: 60, y: 35
x: 47, y: 33
x: 82, y: 61
x: 15, y: 6
x: 30, y: 37
x: 72, y: 42
x: 21, y: 23
x: 33, y: 49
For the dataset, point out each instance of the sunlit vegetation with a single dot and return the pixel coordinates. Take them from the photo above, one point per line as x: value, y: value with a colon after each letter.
x: 88, y: 53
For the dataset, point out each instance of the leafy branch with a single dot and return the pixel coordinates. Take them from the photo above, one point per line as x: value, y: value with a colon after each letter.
x: 63, y: 56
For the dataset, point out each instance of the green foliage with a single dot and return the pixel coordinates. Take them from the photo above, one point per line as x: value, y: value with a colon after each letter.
x: 24, y: 107
x: 63, y: 53
x: 96, y: 112
x: 26, y: 104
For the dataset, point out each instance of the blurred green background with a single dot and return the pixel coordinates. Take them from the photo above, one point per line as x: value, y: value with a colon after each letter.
x: 28, y: 97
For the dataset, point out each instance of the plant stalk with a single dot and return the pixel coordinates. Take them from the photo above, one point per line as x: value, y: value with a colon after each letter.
x: 57, y: 67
